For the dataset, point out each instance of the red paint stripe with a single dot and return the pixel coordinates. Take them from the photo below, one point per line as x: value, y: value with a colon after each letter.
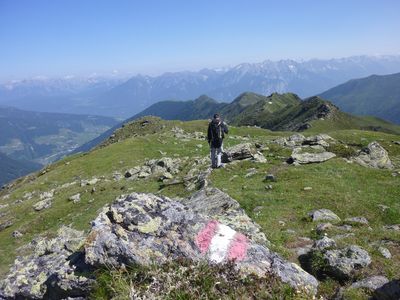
x: 204, y: 237
x: 238, y: 248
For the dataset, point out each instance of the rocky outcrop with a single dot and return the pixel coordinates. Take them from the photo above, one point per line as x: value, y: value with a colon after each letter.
x: 52, y: 271
x: 144, y: 228
x: 373, y: 156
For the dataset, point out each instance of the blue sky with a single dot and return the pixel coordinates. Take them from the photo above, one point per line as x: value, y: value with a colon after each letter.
x: 56, y: 38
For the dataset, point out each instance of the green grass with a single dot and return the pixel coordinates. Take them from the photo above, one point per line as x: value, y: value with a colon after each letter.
x: 347, y: 189
x: 187, y: 280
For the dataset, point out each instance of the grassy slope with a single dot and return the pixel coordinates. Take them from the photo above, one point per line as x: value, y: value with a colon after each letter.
x: 347, y: 189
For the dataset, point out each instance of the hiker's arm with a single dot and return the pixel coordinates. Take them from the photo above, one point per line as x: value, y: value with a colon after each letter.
x: 226, y: 130
x: 209, y: 134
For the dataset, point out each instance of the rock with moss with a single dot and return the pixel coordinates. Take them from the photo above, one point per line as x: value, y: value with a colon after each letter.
x: 145, y: 229
x: 373, y: 156
x: 343, y: 263
x: 52, y: 271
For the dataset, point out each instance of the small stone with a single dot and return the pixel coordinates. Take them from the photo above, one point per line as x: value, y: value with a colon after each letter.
x: 307, y: 188
x: 17, y: 234
x: 395, y: 227
x: 258, y: 209
x: 233, y: 177
x: 251, y: 172
x: 75, y: 198
x: 93, y: 190
x: 383, y: 207
x: 282, y: 223
x: 117, y: 176
x: 44, y: 204
x: 268, y: 187
x: 385, y: 252
x: 324, y: 243
x: 357, y: 220
x: 270, y: 177
x: 323, y: 227
x: 5, y: 224
x: 345, y: 227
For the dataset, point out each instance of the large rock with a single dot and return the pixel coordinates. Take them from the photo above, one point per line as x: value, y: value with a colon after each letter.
x: 238, y: 152
x: 342, y: 263
x: 374, y: 156
x: 215, y: 204
x: 323, y: 214
x: 52, y: 271
x: 299, y: 157
x: 145, y: 229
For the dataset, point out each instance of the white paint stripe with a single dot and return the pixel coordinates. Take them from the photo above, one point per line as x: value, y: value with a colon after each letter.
x: 220, y: 242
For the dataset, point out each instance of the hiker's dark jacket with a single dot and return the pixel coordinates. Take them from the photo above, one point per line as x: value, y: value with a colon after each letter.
x: 216, y: 133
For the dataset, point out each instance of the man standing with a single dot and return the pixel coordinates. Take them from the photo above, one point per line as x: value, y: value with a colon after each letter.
x: 216, y: 133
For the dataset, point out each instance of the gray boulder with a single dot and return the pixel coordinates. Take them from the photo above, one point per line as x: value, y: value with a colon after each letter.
x: 238, y: 152
x: 374, y: 156
x: 51, y: 271
x: 323, y: 214
x: 145, y: 228
x: 342, y: 263
x: 298, y: 157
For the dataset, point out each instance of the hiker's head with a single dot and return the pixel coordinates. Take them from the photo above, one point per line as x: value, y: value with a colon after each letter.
x: 217, y: 118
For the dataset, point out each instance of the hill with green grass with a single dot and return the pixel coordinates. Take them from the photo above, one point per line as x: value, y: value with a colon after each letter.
x: 11, y: 169
x: 375, y: 95
x: 275, y: 194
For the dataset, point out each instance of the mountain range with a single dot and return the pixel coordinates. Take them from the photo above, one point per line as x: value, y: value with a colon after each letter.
x: 374, y: 95
x: 124, y: 98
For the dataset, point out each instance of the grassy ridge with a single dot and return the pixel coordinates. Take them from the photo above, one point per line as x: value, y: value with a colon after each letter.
x: 347, y: 189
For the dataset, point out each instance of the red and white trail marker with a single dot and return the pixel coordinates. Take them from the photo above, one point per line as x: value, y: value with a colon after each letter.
x: 220, y: 242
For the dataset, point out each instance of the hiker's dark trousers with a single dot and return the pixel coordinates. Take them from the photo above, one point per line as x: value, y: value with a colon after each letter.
x: 216, y: 154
